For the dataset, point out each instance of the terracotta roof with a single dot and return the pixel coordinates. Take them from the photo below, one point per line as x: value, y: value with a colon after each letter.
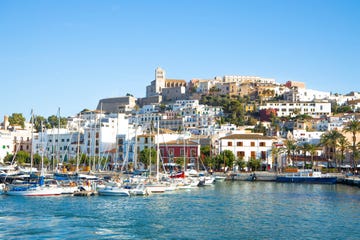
x: 180, y: 142
x: 248, y: 136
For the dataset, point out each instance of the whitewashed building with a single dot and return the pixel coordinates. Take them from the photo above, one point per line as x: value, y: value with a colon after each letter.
x: 248, y: 146
x: 314, y: 109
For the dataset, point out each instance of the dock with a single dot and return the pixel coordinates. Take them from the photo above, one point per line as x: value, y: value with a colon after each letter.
x: 85, y: 193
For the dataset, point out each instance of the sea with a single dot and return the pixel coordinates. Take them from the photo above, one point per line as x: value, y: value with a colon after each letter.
x: 227, y: 210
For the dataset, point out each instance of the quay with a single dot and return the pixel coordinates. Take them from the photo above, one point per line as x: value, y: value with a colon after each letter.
x: 85, y: 193
x: 351, y: 181
x: 271, y: 177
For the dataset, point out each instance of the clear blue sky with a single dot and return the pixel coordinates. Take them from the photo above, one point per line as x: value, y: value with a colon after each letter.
x: 70, y: 54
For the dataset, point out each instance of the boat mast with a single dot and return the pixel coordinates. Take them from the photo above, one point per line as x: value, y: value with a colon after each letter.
x: 32, y: 141
x: 157, y: 149
x: 42, y: 150
x: 99, y: 141
x: 78, y: 146
x: 135, y: 147
x: 58, y: 142
x: 150, y: 147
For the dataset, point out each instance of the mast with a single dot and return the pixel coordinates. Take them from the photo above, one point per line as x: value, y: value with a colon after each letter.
x: 99, y: 141
x: 184, y: 146
x: 58, y: 142
x: 78, y: 146
x: 150, y: 147
x: 135, y: 146
x: 157, y: 150
x: 32, y: 141
x: 42, y: 150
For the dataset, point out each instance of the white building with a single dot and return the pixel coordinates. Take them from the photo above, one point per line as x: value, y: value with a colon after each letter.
x: 6, y: 144
x: 245, y: 79
x: 55, y: 144
x: 248, y: 146
x: 314, y: 109
x: 343, y: 99
x: 303, y: 136
x: 305, y: 95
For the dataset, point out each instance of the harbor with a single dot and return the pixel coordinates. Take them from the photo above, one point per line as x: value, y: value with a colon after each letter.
x: 227, y: 210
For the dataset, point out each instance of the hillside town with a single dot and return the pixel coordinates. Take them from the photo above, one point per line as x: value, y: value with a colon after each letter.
x: 226, y: 123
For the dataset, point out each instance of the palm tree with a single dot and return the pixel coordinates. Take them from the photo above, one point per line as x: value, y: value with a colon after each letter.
x: 354, y: 128
x: 275, y: 153
x: 343, y: 144
x: 312, y: 150
x: 329, y: 141
x: 290, y: 147
x: 305, y: 148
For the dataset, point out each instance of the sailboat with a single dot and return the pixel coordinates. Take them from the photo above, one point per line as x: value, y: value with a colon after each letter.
x: 156, y: 186
x: 36, y: 187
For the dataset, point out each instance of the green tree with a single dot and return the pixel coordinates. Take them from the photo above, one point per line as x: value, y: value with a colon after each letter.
x: 22, y: 157
x: 343, y: 145
x: 329, y: 140
x: 225, y: 158
x: 37, y: 160
x: 8, y: 158
x: 53, y: 122
x: 17, y: 119
x: 353, y: 127
x: 312, y: 150
x: 39, y: 121
x: 276, y: 151
x: 146, y: 155
x: 205, y: 150
x: 240, y: 162
x: 290, y: 148
x: 260, y: 128
x: 254, y: 164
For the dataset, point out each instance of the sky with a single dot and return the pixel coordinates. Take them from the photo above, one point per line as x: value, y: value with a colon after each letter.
x: 70, y: 54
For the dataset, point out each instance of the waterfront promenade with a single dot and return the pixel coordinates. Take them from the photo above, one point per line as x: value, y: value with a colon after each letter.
x: 271, y: 177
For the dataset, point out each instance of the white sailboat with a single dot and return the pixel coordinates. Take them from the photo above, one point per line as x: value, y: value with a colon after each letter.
x: 36, y: 188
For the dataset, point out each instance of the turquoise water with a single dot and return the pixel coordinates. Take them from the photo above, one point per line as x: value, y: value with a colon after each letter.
x: 228, y: 210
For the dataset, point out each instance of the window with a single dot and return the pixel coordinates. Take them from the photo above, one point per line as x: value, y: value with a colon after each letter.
x: 240, y: 154
x: 262, y: 144
x: 239, y: 144
x: 193, y: 153
x: 263, y: 155
x: 252, y: 144
x: 182, y: 152
x: 253, y: 154
x: 229, y: 144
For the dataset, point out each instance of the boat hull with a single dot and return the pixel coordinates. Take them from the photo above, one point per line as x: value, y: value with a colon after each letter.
x: 316, y: 180
x: 35, y: 192
x: 114, y: 192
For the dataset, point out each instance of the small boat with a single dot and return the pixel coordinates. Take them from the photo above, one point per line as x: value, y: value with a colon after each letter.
x: 206, y: 181
x: 114, y: 191
x: 307, y: 177
x: 2, y: 188
x: 33, y: 189
x: 139, y: 190
x: 156, y: 187
x: 219, y: 178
